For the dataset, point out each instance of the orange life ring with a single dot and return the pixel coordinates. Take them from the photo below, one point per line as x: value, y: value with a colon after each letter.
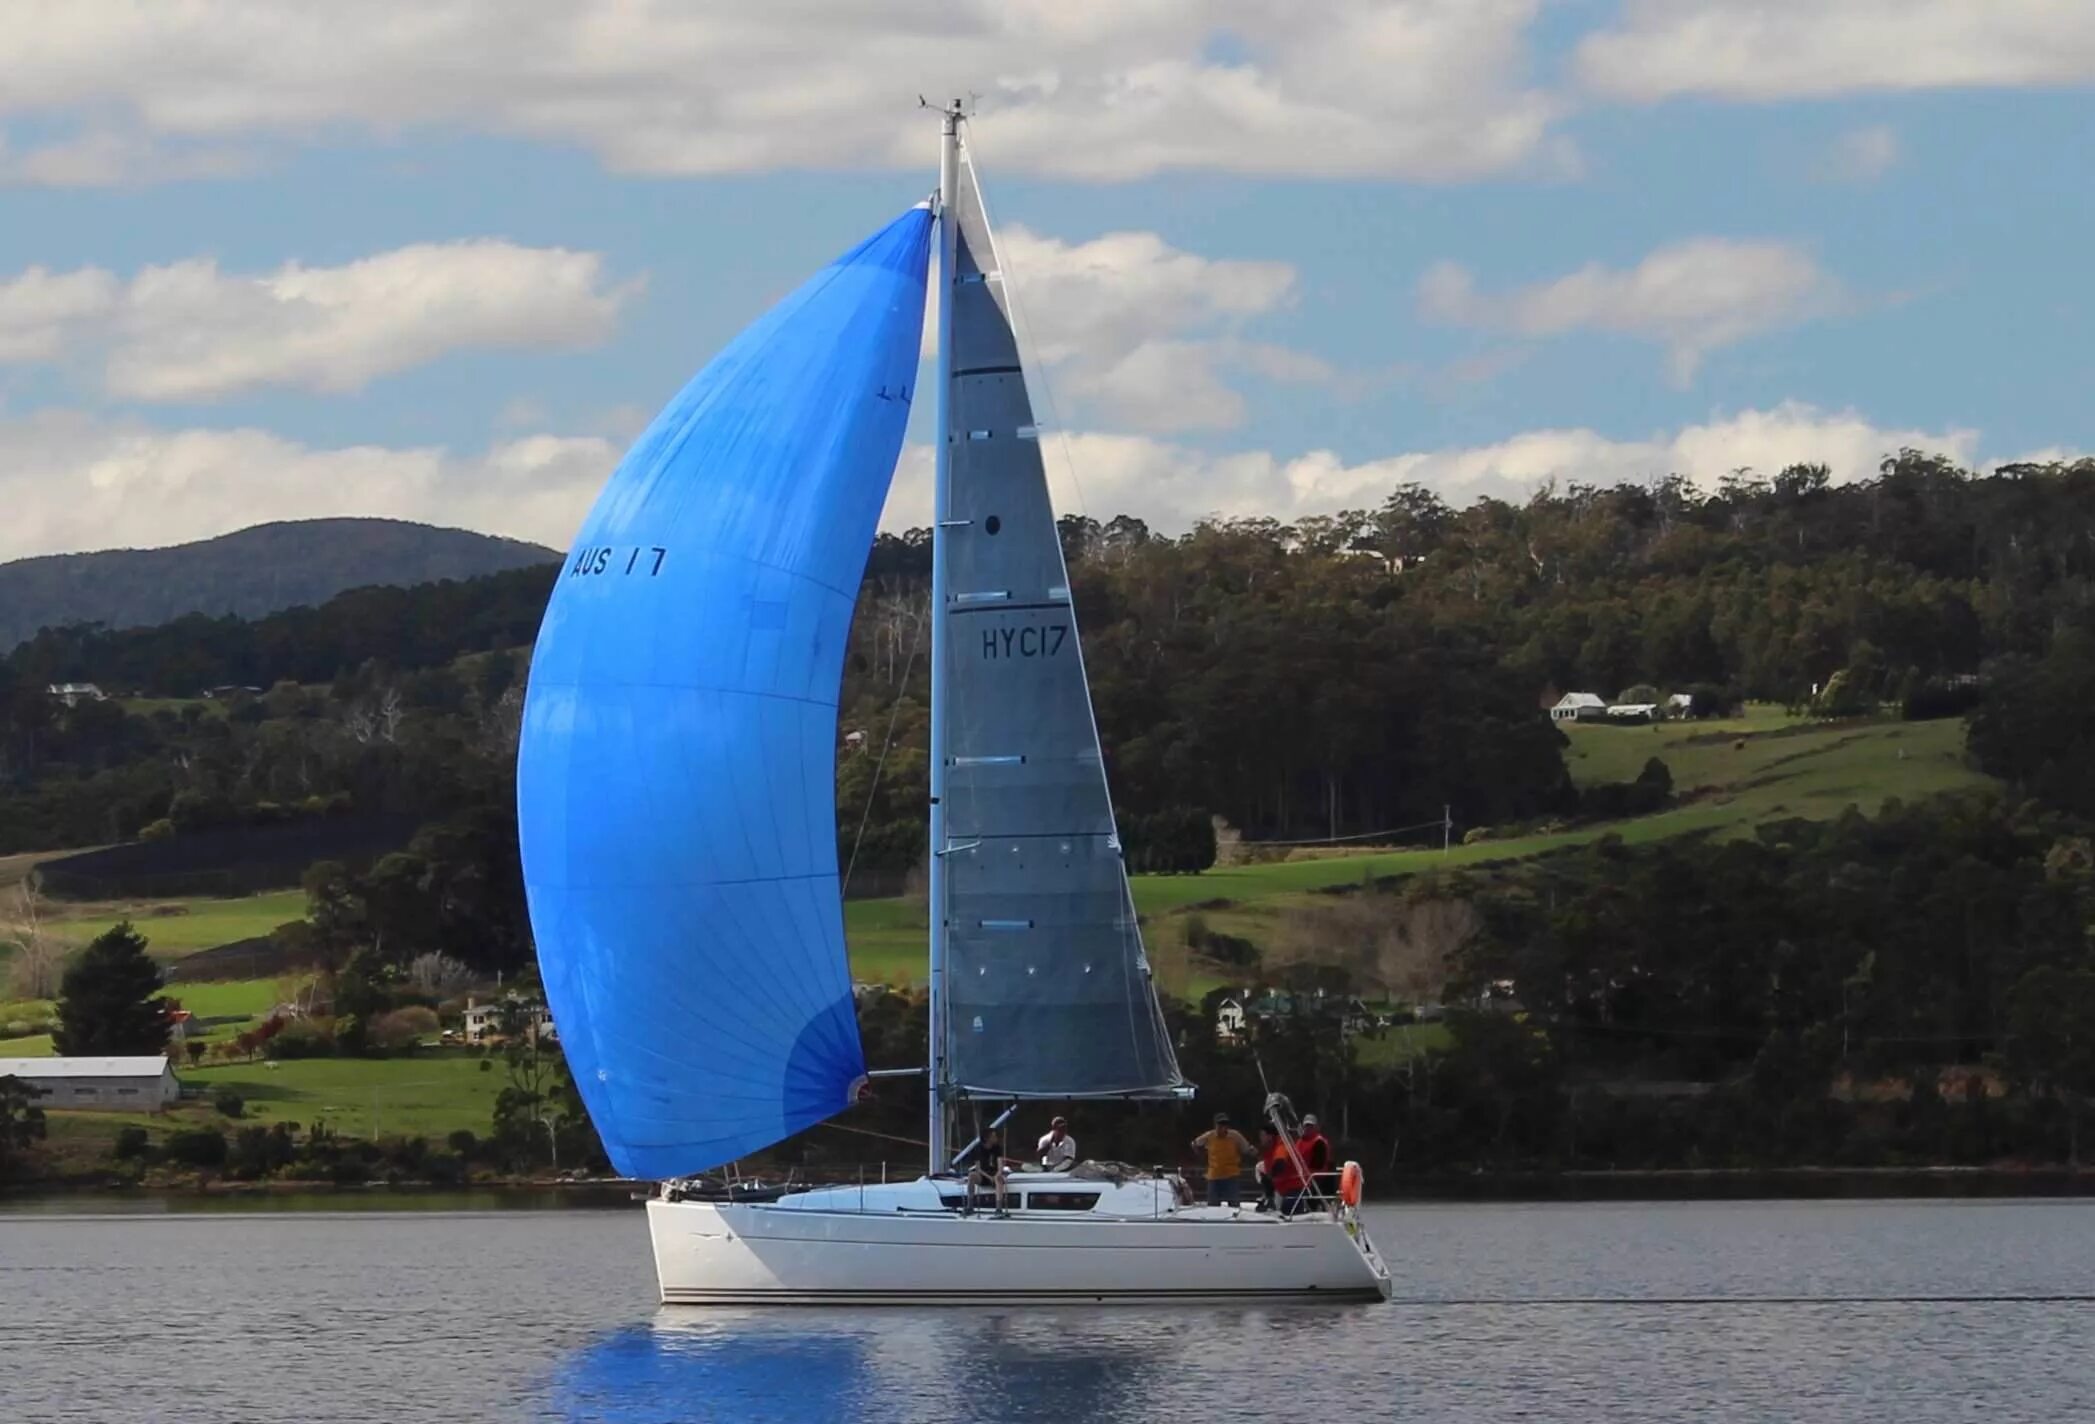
x: 1349, y: 1184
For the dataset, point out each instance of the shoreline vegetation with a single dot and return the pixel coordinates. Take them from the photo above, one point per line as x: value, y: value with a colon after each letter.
x: 1655, y: 1185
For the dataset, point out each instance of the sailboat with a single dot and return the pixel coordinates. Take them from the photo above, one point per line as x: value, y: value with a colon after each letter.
x: 676, y: 796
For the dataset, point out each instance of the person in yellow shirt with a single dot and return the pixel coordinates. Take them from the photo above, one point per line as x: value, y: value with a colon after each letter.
x: 1227, y: 1152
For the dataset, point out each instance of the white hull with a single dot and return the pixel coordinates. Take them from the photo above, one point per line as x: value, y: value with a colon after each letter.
x: 823, y: 1248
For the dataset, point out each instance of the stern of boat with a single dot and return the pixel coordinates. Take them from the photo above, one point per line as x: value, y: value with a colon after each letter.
x: 1356, y: 1230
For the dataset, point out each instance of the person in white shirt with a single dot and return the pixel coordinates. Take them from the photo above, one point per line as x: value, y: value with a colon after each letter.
x: 1058, y: 1150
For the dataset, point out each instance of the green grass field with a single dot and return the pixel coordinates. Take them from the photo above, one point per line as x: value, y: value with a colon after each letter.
x: 197, y: 923
x: 231, y: 998
x: 147, y: 706
x: 1730, y: 775
x: 887, y: 939
x: 1762, y: 770
x: 431, y: 1095
x: 243, y: 999
x: 435, y: 1092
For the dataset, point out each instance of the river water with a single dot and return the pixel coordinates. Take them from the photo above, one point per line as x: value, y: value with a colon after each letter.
x: 1900, y: 1312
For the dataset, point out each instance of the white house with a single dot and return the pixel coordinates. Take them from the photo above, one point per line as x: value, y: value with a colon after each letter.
x: 143, y: 1084
x: 1629, y: 711
x: 72, y: 694
x: 1680, y: 704
x: 1229, y: 1021
x: 483, y: 1022
x: 1574, y: 705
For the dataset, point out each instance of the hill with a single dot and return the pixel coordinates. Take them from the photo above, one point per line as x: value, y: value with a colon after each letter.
x: 249, y: 573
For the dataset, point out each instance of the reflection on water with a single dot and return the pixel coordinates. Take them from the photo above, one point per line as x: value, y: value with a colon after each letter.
x: 678, y: 1369
x: 352, y: 1200
x: 1748, y: 1313
x: 1077, y: 1364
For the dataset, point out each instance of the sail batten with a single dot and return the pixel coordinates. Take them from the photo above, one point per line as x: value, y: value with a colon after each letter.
x: 676, y: 806
x: 1045, y: 987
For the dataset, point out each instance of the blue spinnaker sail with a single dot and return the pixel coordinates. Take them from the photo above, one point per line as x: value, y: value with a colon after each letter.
x: 676, y: 782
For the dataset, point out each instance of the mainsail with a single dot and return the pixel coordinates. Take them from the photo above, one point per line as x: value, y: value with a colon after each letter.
x: 674, y: 783
x: 1047, y: 991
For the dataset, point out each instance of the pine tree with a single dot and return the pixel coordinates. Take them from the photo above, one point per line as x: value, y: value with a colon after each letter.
x: 109, y: 1002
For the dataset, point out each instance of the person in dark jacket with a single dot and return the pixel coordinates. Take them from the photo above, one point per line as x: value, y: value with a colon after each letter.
x: 985, y: 1164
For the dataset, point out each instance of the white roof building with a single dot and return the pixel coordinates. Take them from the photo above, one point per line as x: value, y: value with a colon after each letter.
x: 136, y: 1084
x: 73, y: 693
x: 1572, y: 705
x: 1633, y: 709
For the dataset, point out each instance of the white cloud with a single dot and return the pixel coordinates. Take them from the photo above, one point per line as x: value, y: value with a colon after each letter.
x: 1111, y: 293
x: 1861, y: 155
x: 2048, y: 455
x: 1692, y: 297
x: 40, y: 309
x: 100, y: 158
x: 1172, y: 486
x: 1785, y: 49
x: 1434, y: 89
x: 1134, y: 332
x: 70, y: 481
x: 189, y: 332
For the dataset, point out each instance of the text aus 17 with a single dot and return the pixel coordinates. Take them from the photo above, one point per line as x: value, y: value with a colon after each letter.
x: 645, y: 560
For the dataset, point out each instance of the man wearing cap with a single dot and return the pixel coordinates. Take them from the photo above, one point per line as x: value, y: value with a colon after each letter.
x: 1226, y: 1149
x: 1314, y: 1148
x: 1058, y: 1150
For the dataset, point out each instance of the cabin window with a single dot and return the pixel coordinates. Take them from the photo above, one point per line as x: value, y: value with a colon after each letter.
x: 1061, y: 1201
x: 127, y: 1092
x: 983, y: 1201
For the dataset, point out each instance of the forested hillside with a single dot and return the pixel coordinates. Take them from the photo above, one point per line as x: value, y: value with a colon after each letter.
x: 1626, y: 975
x: 1333, y: 677
x: 248, y: 573
x: 1355, y: 673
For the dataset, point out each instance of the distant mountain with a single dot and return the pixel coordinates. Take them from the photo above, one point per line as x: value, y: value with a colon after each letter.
x: 252, y: 572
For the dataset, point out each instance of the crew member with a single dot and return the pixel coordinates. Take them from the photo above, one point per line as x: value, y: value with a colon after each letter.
x: 985, y: 1164
x: 1314, y: 1148
x: 1226, y: 1149
x: 1282, y: 1178
x: 1058, y: 1150
x: 1268, y: 1145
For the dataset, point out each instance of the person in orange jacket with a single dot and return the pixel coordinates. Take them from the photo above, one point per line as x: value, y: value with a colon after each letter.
x: 1314, y: 1148
x: 1283, y: 1182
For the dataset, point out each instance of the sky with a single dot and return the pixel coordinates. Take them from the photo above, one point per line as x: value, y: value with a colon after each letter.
x: 443, y: 259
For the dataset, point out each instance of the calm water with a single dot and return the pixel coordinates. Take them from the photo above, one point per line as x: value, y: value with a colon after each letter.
x: 1895, y: 1312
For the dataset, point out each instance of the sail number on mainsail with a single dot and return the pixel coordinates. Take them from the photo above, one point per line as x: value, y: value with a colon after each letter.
x: 998, y: 643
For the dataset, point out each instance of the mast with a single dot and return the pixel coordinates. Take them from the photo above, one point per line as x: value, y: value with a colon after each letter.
x: 941, y: 505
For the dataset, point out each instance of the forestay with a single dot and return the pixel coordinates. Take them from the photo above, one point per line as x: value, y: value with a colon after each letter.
x: 674, y: 782
x: 1047, y: 991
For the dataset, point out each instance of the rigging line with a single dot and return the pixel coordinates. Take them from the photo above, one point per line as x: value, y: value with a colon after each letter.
x: 869, y: 1132
x: 1022, y: 328
x: 894, y: 715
